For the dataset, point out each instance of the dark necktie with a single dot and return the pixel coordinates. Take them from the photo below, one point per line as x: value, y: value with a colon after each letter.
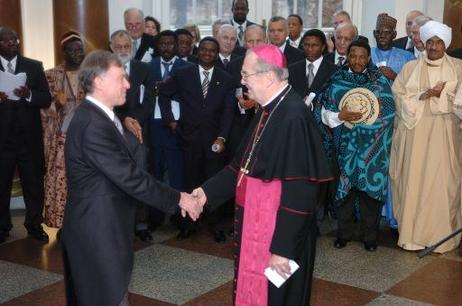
x: 166, y: 70
x: 9, y: 67
x: 340, y: 61
x: 310, y: 74
x: 225, y: 62
x: 205, y: 83
x: 241, y: 36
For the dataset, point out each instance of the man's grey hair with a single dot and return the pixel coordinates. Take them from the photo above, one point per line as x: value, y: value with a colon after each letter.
x: 282, y: 73
x: 120, y: 33
x: 221, y: 21
x: 345, y: 25
x: 255, y: 27
x: 95, y: 64
x: 276, y: 19
x: 420, y: 21
x: 133, y: 9
x: 342, y: 13
x: 226, y: 27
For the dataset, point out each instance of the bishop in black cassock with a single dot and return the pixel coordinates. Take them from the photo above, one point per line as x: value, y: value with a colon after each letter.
x: 275, y: 176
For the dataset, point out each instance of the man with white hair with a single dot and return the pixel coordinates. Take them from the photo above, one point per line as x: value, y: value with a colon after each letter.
x: 143, y: 44
x: 425, y: 166
x: 276, y: 190
x: 227, y: 38
x: 344, y: 34
x: 419, y: 47
x: 405, y: 42
x: 136, y: 110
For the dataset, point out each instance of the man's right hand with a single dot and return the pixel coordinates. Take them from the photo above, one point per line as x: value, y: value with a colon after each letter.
x: 246, y: 103
x: 190, y: 204
x: 3, y: 96
x: 133, y: 126
x: 346, y: 115
x: 172, y: 126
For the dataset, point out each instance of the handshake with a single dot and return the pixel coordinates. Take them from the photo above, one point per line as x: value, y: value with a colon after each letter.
x: 193, y: 203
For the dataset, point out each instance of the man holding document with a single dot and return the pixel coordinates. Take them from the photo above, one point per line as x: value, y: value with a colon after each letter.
x: 275, y: 176
x: 23, y: 92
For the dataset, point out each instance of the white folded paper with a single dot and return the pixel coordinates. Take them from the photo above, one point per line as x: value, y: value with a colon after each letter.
x: 9, y: 82
x: 277, y: 279
x: 309, y: 100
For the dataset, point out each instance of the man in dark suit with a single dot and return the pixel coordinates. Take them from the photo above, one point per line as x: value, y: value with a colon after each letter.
x: 295, y: 24
x: 144, y: 44
x: 405, y: 42
x: 165, y: 153
x: 344, y: 34
x: 185, y: 45
x: 277, y: 33
x: 104, y: 180
x: 310, y: 75
x: 21, y: 140
x: 227, y: 38
x: 206, y: 108
x: 136, y: 110
x: 240, y: 9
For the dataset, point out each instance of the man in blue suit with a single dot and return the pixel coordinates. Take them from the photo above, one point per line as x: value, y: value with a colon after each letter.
x: 165, y: 153
x: 206, y: 105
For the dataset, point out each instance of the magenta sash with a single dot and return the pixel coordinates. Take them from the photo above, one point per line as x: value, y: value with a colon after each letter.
x: 260, y: 201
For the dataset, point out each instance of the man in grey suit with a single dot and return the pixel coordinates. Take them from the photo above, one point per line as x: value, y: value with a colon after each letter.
x: 104, y: 181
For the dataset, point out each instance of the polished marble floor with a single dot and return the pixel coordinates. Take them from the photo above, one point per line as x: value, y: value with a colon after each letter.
x: 198, y: 271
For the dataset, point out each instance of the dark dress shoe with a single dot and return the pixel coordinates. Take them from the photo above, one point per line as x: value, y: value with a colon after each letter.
x: 370, y: 246
x: 183, y: 234
x: 38, y: 234
x: 219, y: 236
x: 144, y: 235
x: 340, y: 243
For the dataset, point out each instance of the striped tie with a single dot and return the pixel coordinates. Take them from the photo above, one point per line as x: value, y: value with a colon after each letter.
x: 205, y: 83
x: 9, y: 67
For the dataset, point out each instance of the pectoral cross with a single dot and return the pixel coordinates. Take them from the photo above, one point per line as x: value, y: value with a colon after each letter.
x: 242, y: 172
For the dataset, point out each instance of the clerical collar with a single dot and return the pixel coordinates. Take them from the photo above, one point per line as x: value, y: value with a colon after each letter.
x: 268, y: 106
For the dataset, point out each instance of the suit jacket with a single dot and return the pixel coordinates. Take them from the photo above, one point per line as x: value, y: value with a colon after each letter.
x: 219, y: 63
x: 457, y: 53
x: 293, y: 54
x: 104, y: 181
x: 400, y: 42
x: 147, y: 42
x: 202, y: 119
x: 330, y: 57
x: 249, y: 23
x: 157, y: 72
x: 299, y: 80
x: 23, y: 115
x: 140, y: 75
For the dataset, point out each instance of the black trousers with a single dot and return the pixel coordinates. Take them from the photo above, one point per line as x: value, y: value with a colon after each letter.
x: 369, y: 216
x: 17, y: 154
x: 200, y: 166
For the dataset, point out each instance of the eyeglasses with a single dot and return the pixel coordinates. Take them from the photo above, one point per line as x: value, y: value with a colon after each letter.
x: 11, y: 41
x: 134, y: 25
x: 246, y: 75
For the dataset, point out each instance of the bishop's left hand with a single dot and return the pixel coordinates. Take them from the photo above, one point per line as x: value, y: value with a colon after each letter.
x: 280, y: 265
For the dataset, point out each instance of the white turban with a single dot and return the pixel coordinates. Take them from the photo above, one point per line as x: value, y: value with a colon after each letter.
x: 435, y: 28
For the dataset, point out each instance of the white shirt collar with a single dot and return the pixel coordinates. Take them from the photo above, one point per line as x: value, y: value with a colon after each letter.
x: 277, y: 94
x: 337, y: 56
x: 5, y: 62
x: 236, y: 25
x: 316, y: 64
x: 283, y: 47
x: 222, y: 57
x: 109, y: 112
x: 294, y: 43
x: 172, y: 60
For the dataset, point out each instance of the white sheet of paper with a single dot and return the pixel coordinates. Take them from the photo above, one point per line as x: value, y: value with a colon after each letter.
x: 277, y: 279
x: 9, y: 82
x: 309, y: 100
x: 381, y: 64
x: 175, y: 110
